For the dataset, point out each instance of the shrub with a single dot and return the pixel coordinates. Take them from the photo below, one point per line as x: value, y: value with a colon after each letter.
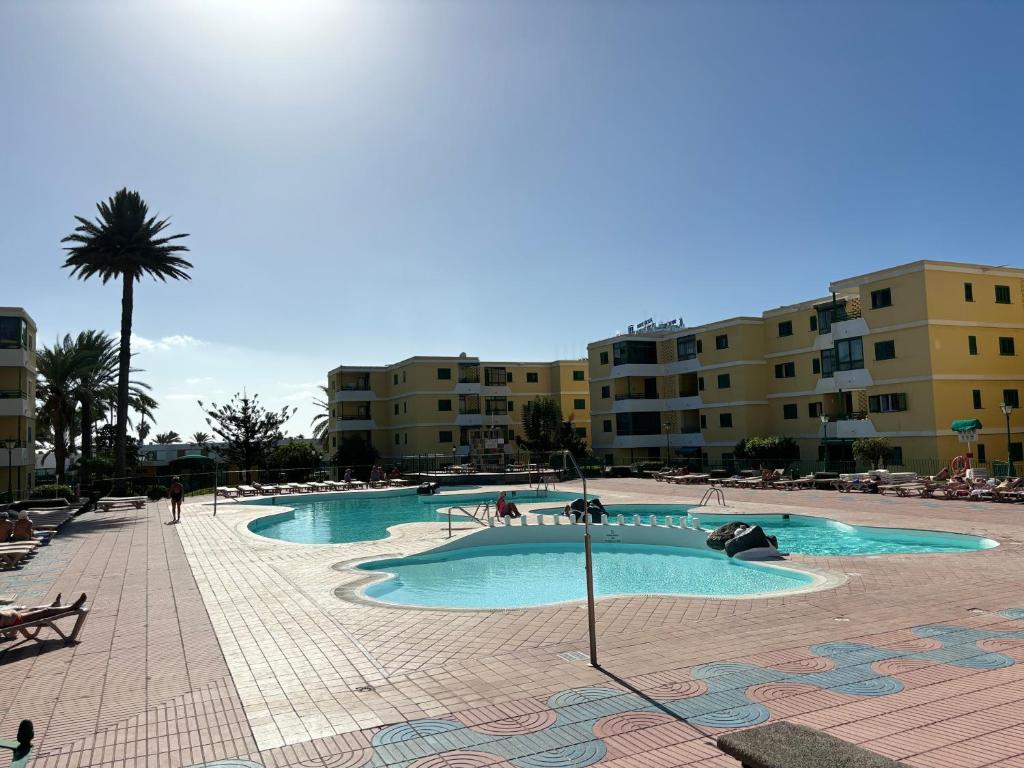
x: 619, y: 471
x: 872, y: 450
x: 52, y: 491
x: 156, y: 492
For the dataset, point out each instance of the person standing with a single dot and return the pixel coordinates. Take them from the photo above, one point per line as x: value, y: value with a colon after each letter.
x: 177, y: 493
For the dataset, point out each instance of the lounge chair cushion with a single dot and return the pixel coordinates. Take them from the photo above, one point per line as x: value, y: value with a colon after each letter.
x: 785, y: 745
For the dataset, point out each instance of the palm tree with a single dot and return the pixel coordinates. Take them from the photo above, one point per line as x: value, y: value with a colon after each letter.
x: 124, y: 242
x: 321, y: 423
x: 60, y: 368
x: 144, y: 429
x: 166, y: 438
x: 200, y: 438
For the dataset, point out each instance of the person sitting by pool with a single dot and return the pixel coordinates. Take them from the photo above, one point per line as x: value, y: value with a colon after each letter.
x: 506, y: 508
x: 13, y: 616
x: 6, y: 527
x: 375, y: 475
x: 348, y: 475
x: 394, y: 474
x: 22, y: 529
x: 593, y: 506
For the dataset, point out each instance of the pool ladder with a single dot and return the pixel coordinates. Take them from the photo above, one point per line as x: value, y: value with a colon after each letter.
x: 712, y: 493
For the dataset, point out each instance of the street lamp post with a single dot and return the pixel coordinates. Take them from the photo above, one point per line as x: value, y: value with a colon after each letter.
x: 9, y: 445
x: 1007, y: 409
x: 824, y: 438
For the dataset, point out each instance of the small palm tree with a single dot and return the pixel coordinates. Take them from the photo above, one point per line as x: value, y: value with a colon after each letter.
x: 166, y: 438
x: 60, y: 369
x: 144, y: 429
x: 321, y: 423
x: 124, y: 243
x: 200, y: 438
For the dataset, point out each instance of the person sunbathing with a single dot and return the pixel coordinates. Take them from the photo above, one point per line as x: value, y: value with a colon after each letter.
x: 16, y: 615
x: 6, y: 527
x: 22, y: 529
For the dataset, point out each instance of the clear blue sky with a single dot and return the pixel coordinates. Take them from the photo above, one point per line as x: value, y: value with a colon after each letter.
x: 365, y: 181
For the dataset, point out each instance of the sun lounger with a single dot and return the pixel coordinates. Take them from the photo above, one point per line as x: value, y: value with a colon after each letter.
x: 11, y: 555
x: 120, y: 502
x: 266, y: 490
x: 30, y: 630
x: 228, y: 492
x: 247, y: 490
x: 797, y: 484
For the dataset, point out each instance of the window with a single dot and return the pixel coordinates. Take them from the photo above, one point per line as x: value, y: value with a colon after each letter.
x: 896, y: 456
x: 885, y: 350
x: 607, y: 425
x: 814, y: 410
x: 640, y: 423
x: 981, y: 453
x: 972, y: 345
x: 816, y: 365
x: 395, y: 381
x: 814, y: 322
x: 581, y: 431
x: 531, y: 376
x: 724, y: 381
x: 725, y: 420
x: 444, y: 436
x: 686, y: 347
x: 789, y: 411
x: 703, y: 421
x: 786, y: 328
x: 579, y: 404
x: 828, y: 363
x: 881, y: 298
x: 405, y: 438
x: 508, y: 377
x: 849, y: 354
x: 577, y: 375
x: 722, y: 341
x: 895, y: 401
x: 604, y: 358
x: 700, y: 383
x: 444, y: 373
x: 403, y: 377
x: 511, y: 405
x: 1016, y: 451
x: 785, y: 370
x: 444, y: 405
x: 634, y: 353
x: 1006, y: 346
x: 606, y: 392
x: 968, y: 292
x: 405, y: 407
x: 1010, y: 397
x: 396, y: 409
x: 976, y: 399
x: 396, y: 438
x: 1002, y: 294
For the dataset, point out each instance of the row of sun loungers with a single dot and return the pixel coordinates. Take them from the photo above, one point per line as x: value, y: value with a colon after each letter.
x: 316, y: 486
x: 46, y: 522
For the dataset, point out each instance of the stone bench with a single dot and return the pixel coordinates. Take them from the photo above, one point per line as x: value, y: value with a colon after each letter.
x: 785, y: 745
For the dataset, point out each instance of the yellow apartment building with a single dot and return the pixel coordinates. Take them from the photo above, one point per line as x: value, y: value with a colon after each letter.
x: 17, y: 401
x: 899, y: 353
x: 433, y: 405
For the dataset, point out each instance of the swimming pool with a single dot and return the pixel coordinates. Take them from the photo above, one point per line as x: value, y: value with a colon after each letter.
x: 354, y: 516
x: 527, y: 575
x: 807, y: 535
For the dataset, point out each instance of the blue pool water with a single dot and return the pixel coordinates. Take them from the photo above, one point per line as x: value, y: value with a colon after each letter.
x: 519, y: 576
x: 807, y: 535
x: 353, y: 516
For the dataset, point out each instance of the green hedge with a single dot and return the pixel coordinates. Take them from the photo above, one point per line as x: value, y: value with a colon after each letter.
x: 52, y: 492
x: 156, y: 492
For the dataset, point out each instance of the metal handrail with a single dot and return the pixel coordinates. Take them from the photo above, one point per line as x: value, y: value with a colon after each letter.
x: 712, y: 493
x: 588, y: 561
x: 467, y: 513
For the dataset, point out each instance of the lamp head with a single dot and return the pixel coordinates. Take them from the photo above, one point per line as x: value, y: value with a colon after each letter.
x: 823, y: 417
x: 1006, y: 408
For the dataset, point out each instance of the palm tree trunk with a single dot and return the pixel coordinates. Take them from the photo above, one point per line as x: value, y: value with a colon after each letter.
x: 121, y: 428
x: 86, y: 438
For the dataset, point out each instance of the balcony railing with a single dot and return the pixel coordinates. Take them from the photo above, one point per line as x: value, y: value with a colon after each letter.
x: 354, y: 416
x: 359, y: 386
x: 851, y: 416
x: 466, y: 410
x: 13, y: 394
x: 637, y: 395
x: 497, y: 412
x: 469, y: 376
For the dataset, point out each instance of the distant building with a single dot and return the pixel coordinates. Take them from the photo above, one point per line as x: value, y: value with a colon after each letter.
x: 17, y: 401
x: 899, y: 353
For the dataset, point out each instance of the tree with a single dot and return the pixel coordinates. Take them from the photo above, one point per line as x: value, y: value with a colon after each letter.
x: 60, y: 368
x: 356, y: 453
x: 166, y: 438
x: 298, y: 457
x: 200, y: 438
x: 125, y: 243
x: 321, y: 423
x: 248, y: 430
x: 545, y: 431
x: 144, y: 429
x: 872, y: 450
x: 768, y: 450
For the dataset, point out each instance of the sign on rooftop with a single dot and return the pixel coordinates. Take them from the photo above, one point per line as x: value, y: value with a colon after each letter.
x: 649, y: 326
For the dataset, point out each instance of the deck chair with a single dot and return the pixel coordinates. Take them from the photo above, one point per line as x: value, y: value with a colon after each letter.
x: 30, y: 630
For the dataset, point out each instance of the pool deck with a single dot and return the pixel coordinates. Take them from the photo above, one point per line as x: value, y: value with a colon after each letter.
x: 208, y: 643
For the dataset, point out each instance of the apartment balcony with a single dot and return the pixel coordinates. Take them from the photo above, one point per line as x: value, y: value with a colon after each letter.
x: 849, y: 426
x: 637, y: 369
x: 635, y: 402
x: 857, y: 378
x: 692, y: 365
x: 355, y: 424
x: 354, y: 395
x: 688, y: 403
x: 469, y: 418
x: 497, y: 419
x: 468, y: 388
x: 14, y: 357
x: 692, y: 439
x: 639, y: 441
x: 16, y: 403
x: 495, y: 390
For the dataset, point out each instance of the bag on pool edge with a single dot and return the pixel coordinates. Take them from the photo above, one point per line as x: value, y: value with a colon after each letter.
x: 749, y: 539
